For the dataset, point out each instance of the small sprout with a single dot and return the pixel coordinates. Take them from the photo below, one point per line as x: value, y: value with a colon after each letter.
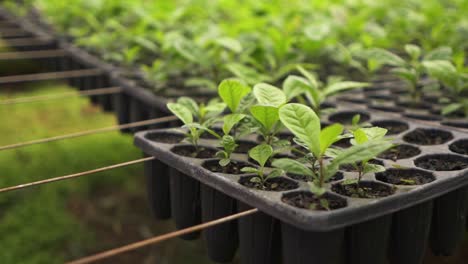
x: 261, y: 154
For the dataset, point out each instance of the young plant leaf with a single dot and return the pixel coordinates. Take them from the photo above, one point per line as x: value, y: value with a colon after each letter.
x: 303, y: 123
x: 182, y: 112
x: 261, y: 153
x: 229, y: 121
x: 385, y: 57
x: 269, y: 95
x: 294, y: 86
x: 329, y: 135
x: 413, y: 50
x: 292, y: 166
x: 231, y: 92
x: 190, y: 104
x: 343, y: 86
x: 317, y: 190
x: 249, y: 170
x: 440, y: 53
x: 266, y: 115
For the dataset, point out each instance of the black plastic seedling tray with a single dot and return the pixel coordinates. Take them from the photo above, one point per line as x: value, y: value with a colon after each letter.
x: 400, y: 221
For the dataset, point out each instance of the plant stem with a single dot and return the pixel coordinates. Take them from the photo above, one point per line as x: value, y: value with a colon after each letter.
x: 321, y: 177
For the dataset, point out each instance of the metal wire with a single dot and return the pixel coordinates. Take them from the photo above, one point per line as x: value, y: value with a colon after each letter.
x: 34, y: 54
x: 49, y: 76
x: 157, y: 239
x: 40, y: 98
x: 75, y: 175
x: 90, y: 132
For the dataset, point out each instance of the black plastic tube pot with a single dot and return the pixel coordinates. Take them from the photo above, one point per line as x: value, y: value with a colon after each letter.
x: 156, y: 113
x: 303, y: 247
x: 185, y: 202
x: 106, y: 100
x: 122, y: 109
x: 138, y: 112
x: 448, y: 221
x: 259, y: 238
x: 367, y: 242
x: 221, y: 240
x: 157, y: 186
x: 410, y: 233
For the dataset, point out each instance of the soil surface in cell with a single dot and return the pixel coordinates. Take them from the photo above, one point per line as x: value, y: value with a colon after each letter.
x: 234, y: 167
x: 442, y: 163
x: 363, y: 189
x: 164, y: 137
x: 351, y: 167
x: 393, y: 127
x: 191, y: 151
x: 400, y: 152
x: 244, y: 146
x: 275, y: 184
x: 405, y: 177
x: 460, y: 147
x: 347, y: 117
x: 309, y: 201
x: 338, y: 176
x: 428, y: 136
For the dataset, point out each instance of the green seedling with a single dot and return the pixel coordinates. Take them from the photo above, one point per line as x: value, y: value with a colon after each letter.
x: 196, y: 118
x: 261, y: 154
x: 456, y: 83
x: 314, y: 91
x: 304, y: 123
x: 410, y: 70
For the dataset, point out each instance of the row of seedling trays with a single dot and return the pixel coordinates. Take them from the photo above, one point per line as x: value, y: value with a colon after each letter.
x: 420, y: 200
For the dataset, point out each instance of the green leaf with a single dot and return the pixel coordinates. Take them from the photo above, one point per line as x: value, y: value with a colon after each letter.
x: 224, y: 162
x: 269, y: 95
x: 360, y: 136
x: 190, y: 104
x: 356, y: 119
x: 229, y: 121
x: 385, y: 57
x: 441, y: 53
x: 442, y: 70
x: 372, y: 168
x: 451, y: 108
x: 317, y: 190
x: 229, y: 144
x: 356, y: 153
x: 275, y: 173
x: 267, y: 115
x: 231, y: 92
x: 343, y: 86
x: 249, y: 170
x: 407, y: 74
x: 329, y: 135
x: 413, y: 50
x: 294, y: 86
x: 230, y: 43
x: 303, y: 123
x: 292, y: 166
x: 182, y: 112
x: 374, y: 133
x: 261, y: 153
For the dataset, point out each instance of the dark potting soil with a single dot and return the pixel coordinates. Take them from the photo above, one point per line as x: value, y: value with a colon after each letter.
x: 364, y: 189
x: 343, y: 143
x: 442, y: 162
x: 400, y: 152
x: 308, y: 200
x: 413, y: 105
x: 426, y: 117
x: 459, y: 124
x: 191, y: 151
x: 338, y: 176
x: 386, y: 108
x: 460, y: 147
x: 234, y: 167
x: 422, y: 136
x: 347, y: 117
x: 244, y: 146
x: 393, y: 127
x: 276, y: 184
x: 405, y: 176
x: 350, y: 167
x: 164, y: 137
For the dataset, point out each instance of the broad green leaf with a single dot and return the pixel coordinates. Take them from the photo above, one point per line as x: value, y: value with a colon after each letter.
x: 373, y: 133
x: 229, y: 121
x: 182, y: 112
x: 442, y: 70
x: 269, y: 95
x: 356, y: 153
x: 294, y: 86
x: 261, y: 153
x: 317, y: 190
x: 385, y: 57
x: 266, y: 115
x: 343, y: 86
x: 441, y: 53
x: 413, y: 50
x: 329, y: 135
x: 201, y: 128
x: 407, y: 74
x: 231, y: 92
x: 372, y: 168
x: 451, y: 108
x: 214, y: 109
x: 224, y: 162
x: 310, y: 77
x: 303, y: 123
x: 229, y: 144
x: 249, y: 170
x: 360, y: 136
x: 292, y: 166
x: 275, y: 173
x: 230, y: 43
x: 190, y: 104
